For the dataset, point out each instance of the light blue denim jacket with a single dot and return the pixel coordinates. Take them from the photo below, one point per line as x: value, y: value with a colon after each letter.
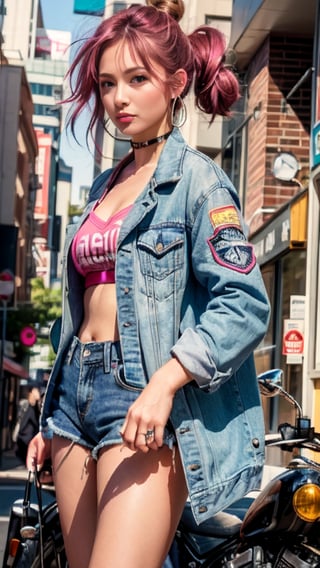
x: 188, y: 286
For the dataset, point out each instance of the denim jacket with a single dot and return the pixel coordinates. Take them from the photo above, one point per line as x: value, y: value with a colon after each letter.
x: 188, y: 286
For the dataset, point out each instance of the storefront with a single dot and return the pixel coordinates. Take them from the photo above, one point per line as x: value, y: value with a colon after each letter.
x: 13, y: 374
x: 280, y: 248
x: 312, y: 370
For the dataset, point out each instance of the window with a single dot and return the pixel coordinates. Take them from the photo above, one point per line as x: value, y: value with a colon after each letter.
x: 41, y: 89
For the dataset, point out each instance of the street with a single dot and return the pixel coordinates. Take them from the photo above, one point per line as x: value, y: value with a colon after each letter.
x: 3, y: 532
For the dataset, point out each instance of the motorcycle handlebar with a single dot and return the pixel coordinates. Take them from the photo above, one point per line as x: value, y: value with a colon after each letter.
x: 287, y: 443
x: 302, y: 435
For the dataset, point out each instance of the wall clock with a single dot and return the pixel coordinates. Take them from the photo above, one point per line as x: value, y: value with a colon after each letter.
x: 285, y: 166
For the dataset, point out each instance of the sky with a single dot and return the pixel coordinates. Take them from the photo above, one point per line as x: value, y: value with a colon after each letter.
x: 58, y: 15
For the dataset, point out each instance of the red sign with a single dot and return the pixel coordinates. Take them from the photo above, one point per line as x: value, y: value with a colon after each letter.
x: 6, y: 285
x: 292, y: 342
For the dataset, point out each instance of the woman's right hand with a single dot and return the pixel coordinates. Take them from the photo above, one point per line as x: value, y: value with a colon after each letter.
x: 39, y: 450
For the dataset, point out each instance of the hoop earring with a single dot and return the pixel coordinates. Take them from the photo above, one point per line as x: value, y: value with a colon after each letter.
x: 178, y: 112
x: 105, y: 124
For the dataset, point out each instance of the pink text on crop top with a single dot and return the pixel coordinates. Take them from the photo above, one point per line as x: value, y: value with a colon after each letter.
x: 94, y: 247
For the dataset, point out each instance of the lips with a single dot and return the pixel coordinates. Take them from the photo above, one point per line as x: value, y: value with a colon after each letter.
x: 125, y: 118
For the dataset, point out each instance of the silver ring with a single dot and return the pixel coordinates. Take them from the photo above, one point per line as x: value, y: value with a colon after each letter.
x: 149, y: 435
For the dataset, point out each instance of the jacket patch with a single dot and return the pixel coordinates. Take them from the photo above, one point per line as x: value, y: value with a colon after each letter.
x: 230, y: 249
x: 223, y: 216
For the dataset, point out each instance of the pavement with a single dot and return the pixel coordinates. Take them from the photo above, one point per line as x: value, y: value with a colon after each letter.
x: 11, y: 467
x: 12, y: 472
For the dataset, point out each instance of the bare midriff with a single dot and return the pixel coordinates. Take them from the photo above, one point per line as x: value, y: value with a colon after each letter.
x: 100, y: 314
x: 100, y: 303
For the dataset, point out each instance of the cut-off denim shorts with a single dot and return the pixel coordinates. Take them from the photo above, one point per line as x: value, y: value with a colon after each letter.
x: 91, y: 399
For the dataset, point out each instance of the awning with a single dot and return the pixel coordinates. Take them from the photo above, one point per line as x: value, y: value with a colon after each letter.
x: 14, y: 368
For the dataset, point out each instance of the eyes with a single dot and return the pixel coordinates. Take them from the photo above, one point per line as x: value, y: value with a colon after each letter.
x: 107, y: 84
x: 139, y: 79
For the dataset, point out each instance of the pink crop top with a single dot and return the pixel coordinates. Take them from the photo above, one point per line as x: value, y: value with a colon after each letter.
x: 94, y: 248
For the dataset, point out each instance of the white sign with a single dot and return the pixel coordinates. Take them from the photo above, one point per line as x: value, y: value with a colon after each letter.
x: 297, y: 307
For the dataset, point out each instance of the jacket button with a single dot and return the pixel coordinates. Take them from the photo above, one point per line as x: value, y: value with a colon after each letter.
x: 126, y: 290
x: 159, y: 247
x: 255, y: 442
x: 127, y: 324
x: 184, y: 430
x: 194, y: 467
x: 202, y: 509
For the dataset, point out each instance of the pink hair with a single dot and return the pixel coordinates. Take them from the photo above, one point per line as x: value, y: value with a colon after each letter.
x: 216, y: 87
x: 155, y: 36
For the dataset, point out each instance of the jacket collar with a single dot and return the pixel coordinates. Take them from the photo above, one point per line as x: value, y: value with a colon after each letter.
x: 169, y: 167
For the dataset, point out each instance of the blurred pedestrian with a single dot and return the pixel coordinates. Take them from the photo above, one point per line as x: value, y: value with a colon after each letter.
x: 28, y: 422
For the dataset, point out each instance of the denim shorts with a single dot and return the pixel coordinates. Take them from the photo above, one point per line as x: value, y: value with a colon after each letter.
x: 91, y: 399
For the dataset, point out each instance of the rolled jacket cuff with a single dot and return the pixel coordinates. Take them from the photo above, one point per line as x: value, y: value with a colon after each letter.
x: 195, y: 357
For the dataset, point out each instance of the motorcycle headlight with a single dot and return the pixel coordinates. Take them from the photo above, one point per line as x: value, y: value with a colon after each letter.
x: 306, y: 502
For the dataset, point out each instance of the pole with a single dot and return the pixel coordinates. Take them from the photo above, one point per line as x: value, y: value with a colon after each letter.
x: 2, y: 377
x: 6, y: 292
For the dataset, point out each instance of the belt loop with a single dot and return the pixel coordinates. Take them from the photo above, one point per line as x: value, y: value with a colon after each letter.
x: 71, y: 350
x: 117, y: 347
x: 107, y: 356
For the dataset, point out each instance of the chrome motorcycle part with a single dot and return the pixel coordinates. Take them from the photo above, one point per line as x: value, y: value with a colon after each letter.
x: 28, y: 531
x: 297, y: 558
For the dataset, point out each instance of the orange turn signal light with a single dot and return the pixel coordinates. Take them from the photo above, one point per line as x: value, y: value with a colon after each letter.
x: 306, y: 502
x: 13, y: 547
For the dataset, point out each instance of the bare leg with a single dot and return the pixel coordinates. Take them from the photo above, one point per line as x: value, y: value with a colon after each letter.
x: 140, y: 501
x: 76, y: 489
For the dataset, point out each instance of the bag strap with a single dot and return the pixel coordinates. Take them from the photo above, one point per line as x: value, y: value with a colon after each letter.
x: 40, y: 516
x: 26, y: 497
x: 34, y: 477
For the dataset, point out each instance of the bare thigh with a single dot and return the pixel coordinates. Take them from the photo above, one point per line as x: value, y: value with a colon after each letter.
x: 140, y: 501
x: 76, y: 490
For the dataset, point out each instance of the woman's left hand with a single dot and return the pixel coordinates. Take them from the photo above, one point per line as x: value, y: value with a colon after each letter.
x: 143, y: 428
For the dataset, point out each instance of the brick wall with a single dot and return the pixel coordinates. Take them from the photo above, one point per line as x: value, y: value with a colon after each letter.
x: 281, y: 126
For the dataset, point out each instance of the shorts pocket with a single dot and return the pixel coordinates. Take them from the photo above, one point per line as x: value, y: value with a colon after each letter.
x: 120, y: 379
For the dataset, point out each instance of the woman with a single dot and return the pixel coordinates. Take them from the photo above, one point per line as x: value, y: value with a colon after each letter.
x: 163, y: 305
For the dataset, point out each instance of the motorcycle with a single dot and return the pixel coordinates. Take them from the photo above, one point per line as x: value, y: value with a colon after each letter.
x: 34, y: 536
x: 279, y: 528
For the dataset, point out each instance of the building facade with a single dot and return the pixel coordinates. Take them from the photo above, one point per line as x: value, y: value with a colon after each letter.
x: 275, y: 45
x: 43, y: 56
x: 46, y: 71
x: 32, y: 66
x: 18, y: 184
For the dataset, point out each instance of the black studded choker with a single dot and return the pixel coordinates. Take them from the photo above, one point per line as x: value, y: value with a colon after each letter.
x: 137, y: 145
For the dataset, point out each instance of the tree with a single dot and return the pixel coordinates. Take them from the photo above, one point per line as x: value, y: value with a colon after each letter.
x: 40, y: 313
x: 46, y: 302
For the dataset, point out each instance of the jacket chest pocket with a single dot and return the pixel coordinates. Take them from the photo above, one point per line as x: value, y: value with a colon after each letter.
x: 161, y: 252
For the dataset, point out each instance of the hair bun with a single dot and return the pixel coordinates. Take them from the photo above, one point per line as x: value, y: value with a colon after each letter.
x: 175, y: 8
